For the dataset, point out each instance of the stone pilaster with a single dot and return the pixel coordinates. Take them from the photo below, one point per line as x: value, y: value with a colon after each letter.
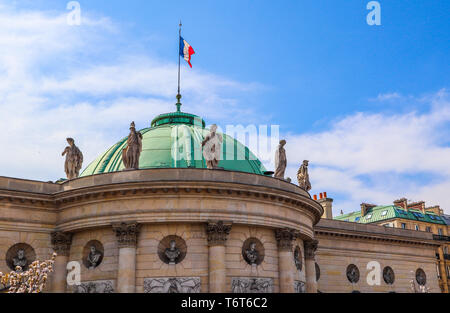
x: 61, y: 243
x: 310, y: 265
x: 217, y: 234
x: 286, y: 266
x: 127, y: 234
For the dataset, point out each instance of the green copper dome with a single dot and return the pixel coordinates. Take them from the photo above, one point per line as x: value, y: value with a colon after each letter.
x: 174, y: 140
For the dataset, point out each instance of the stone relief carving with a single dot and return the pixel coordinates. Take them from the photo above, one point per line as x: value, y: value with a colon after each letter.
x: 74, y: 159
x: 421, y: 277
x: 21, y: 255
x: 99, y: 286
x: 299, y: 287
x: 352, y: 273
x: 212, y: 148
x: 303, y: 176
x: 217, y: 232
x: 280, y: 160
x: 251, y: 285
x: 388, y: 275
x: 298, y: 258
x: 172, y: 250
x: 131, y: 154
x: 93, y: 254
x: 172, y: 285
x: 253, y: 251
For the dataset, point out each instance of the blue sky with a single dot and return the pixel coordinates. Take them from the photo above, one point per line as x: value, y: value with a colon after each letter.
x: 367, y: 105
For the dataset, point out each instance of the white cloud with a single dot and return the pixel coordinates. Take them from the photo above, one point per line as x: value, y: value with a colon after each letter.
x: 372, y: 157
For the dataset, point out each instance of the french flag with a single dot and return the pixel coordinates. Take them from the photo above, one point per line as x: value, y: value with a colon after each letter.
x: 186, y: 51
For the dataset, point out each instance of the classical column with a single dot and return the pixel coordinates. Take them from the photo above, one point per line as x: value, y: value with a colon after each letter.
x: 217, y: 233
x: 310, y: 266
x: 61, y: 244
x: 443, y: 270
x: 286, y: 269
x: 127, y: 234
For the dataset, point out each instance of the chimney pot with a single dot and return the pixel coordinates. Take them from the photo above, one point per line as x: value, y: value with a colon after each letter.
x: 321, y: 195
x: 325, y: 195
x: 315, y: 197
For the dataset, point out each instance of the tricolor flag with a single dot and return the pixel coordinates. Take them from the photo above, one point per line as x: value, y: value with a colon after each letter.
x: 186, y: 50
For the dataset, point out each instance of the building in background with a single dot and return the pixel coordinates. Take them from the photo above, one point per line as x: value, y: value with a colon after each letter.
x: 409, y: 216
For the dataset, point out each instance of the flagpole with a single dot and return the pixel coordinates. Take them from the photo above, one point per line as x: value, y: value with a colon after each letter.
x: 179, y: 69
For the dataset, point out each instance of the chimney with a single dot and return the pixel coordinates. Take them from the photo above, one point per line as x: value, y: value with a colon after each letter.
x: 315, y: 197
x: 403, y: 203
x: 327, y: 204
x: 366, y: 207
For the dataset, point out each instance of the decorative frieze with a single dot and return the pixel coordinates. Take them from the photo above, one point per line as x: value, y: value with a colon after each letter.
x: 61, y: 242
x: 251, y: 285
x: 310, y: 249
x: 126, y: 233
x: 285, y: 237
x: 172, y: 285
x: 217, y: 233
x: 99, y: 286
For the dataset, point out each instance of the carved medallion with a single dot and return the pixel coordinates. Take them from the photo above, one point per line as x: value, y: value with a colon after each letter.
x: 421, y: 277
x: 172, y: 285
x: 93, y: 253
x: 388, y: 275
x: 352, y: 273
x: 298, y: 258
x: 317, y: 271
x: 20, y: 254
x: 172, y: 249
x: 253, y: 251
x: 251, y: 285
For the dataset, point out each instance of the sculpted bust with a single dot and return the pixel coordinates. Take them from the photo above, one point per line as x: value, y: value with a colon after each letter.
x: 94, y: 257
x: 172, y: 253
x: 252, y: 254
x: 20, y: 260
x: 280, y: 160
x: 212, y: 145
x: 303, y: 176
x: 74, y: 160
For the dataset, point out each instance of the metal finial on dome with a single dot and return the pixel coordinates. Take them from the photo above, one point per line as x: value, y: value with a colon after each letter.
x: 178, y: 104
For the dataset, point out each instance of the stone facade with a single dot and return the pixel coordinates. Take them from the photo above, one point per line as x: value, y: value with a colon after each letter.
x: 214, y: 213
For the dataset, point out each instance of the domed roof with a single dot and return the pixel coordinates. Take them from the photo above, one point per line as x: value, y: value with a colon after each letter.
x: 174, y: 140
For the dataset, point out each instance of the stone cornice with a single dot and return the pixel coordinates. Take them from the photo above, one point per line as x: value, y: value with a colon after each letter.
x: 158, y: 181
x: 373, y: 237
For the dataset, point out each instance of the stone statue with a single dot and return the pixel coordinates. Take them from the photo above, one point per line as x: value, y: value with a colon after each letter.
x: 303, y: 176
x: 74, y: 160
x: 131, y: 154
x: 20, y: 260
x: 172, y: 253
x: 280, y: 160
x: 212, y: 148
x: 94, y: 258
x: 298, y: 258
x: 252, y: 254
